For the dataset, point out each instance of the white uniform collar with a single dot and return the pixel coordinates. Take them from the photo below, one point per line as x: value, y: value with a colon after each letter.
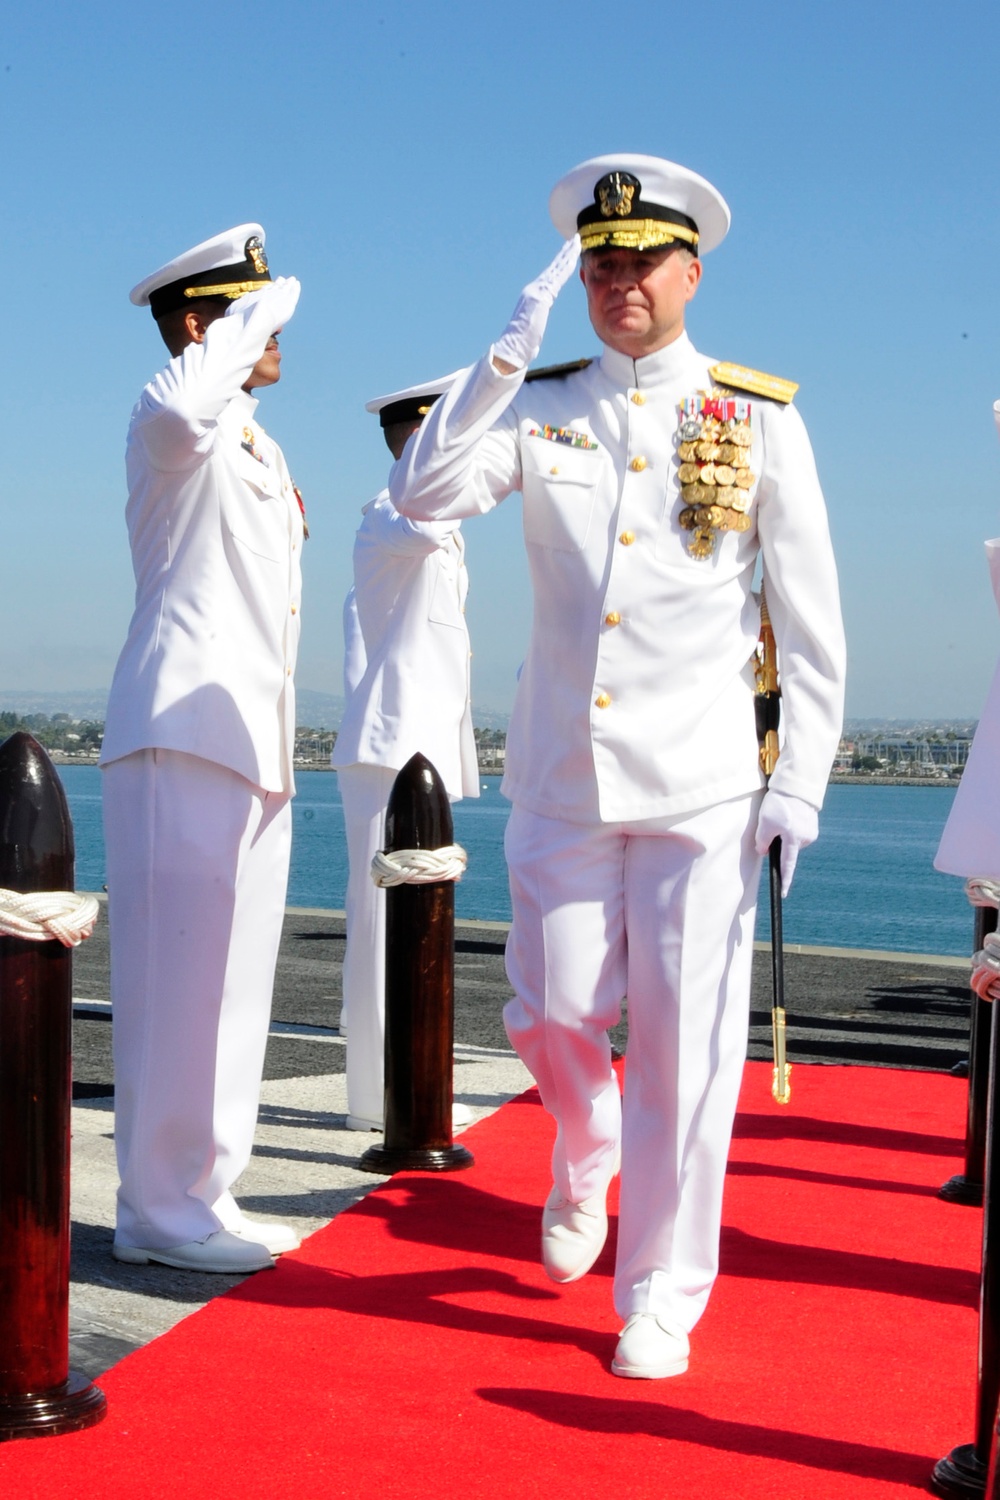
x: 666, y: 366
x: 244, y: 405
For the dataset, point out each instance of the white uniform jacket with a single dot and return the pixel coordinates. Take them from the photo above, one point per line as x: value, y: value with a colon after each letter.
x: 410, y: 586
x: 636, y: 697
x: 216, y: 537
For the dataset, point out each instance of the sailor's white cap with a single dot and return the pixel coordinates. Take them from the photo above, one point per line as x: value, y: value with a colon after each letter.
x: 227, y: 265
x: 413, y: 403
x: 630, y: 202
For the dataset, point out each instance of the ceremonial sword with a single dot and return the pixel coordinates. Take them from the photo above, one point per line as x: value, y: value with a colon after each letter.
x: 768, y: 709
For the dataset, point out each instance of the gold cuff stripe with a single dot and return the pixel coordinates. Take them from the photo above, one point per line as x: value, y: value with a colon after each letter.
x: 227, y: 289
x: 640, y: 234
x: 740, y: 378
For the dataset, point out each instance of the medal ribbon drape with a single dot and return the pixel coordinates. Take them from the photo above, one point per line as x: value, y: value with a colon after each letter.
x: 768, y: 706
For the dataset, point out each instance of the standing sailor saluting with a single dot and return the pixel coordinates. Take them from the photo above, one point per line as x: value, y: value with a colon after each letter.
x: 197, y: 760
x: 652, y: 482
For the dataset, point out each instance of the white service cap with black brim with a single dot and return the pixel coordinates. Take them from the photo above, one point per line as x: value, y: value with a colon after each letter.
x: 412, y: 404
x: 631, y: 202
x: 228, y: 265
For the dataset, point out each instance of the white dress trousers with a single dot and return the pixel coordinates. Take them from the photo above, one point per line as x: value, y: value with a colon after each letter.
x: 365, y: 792
x: 687, y: 886
x: 197, y: 861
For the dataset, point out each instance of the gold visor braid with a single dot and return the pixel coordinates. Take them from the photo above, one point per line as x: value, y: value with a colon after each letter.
x: 638, y: 234
x: 227, y: 289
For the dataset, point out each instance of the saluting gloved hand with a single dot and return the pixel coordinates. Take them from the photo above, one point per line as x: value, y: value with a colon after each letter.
x: 522, y: 338
x: 275, y: 299
x: 794, y: 822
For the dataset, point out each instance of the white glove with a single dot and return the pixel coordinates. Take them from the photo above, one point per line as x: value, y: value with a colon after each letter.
x: 522, y: 338
x: 794, y: 822
x: 985, y: 979
x: 275, y: 299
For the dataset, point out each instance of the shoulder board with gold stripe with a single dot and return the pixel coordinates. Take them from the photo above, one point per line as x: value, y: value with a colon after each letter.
x: 552, y: 372
x: 739, y: 378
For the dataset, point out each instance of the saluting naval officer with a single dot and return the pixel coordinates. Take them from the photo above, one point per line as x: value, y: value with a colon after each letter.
x: 197, y: 760
x: 653, y: 480
x: 406, y: 678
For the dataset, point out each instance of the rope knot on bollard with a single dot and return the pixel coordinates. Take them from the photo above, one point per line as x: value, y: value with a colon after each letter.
x: 41, y: 916
x: 985, y: 978
x: 419, y: 866
x: 983, y: 892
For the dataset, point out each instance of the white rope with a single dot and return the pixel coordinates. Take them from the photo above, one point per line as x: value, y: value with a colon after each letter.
x: 985, y: 978
x: 419, y: 866
x: 43, y: 915
x: 982, y: 892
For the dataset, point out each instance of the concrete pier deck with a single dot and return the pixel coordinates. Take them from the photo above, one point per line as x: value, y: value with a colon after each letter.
x: 844, y: 1006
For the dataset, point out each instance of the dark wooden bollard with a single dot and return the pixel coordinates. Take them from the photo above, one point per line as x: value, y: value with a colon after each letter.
x: 419, y: 989
x: 39, y: 1394
x: 963, y: 1471
x: 967, y: 1185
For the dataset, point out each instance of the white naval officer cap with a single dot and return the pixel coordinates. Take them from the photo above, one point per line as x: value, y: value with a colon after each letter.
x: 412, y: 404
x: 227, y: 265
x: 629, y: 202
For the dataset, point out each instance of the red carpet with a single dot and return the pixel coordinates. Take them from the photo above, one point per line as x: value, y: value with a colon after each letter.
x: 414, y: 1348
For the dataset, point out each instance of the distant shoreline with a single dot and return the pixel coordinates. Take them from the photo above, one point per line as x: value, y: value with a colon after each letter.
x: 843, y: 779
x: 837, y: 779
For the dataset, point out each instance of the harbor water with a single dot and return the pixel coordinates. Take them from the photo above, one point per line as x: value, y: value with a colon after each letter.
x: 868, y: 882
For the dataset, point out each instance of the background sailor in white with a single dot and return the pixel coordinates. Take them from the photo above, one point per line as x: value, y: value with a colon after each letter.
x: 197, y: 760
x: 970, y: 842
x: 638, y: 821
x: 406, y: 677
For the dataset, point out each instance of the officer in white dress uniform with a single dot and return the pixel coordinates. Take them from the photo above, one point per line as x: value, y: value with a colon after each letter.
x: 653, y: 480
x: 406, y: 677
x: 197, y: 760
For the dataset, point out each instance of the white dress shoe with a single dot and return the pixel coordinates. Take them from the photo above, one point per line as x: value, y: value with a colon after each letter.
x: 651, y: 1347
x: 573, y: 1235
x: 222, y: 1251
x: 274, y: 1237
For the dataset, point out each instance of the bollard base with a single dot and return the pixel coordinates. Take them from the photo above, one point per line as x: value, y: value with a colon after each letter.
x: 77, y: 1404
x: 389, y: 1159
x: 960, y: 1475
x: 962, y: 1189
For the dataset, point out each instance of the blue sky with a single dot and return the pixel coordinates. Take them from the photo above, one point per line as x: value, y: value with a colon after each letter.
x: 400, y: 157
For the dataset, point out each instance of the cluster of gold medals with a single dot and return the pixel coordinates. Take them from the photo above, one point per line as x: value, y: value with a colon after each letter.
x: 713, y: 448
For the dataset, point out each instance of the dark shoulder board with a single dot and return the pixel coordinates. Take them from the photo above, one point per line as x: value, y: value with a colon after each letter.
x: 740, y: 378
x: 552, y: 372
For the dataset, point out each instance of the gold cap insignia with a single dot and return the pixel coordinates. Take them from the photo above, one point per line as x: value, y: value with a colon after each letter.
x: 614, y: 194
x: 255, y: 254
